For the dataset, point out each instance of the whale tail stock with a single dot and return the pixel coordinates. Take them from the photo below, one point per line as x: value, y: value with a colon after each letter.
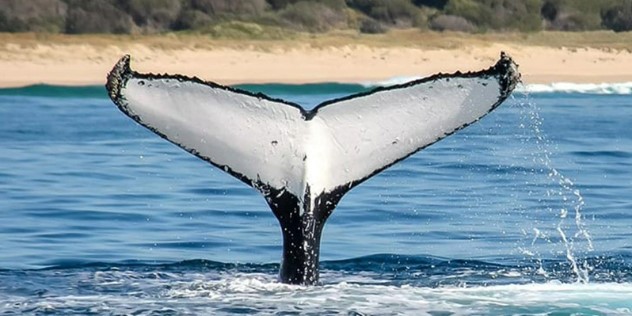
x: 304, y: 161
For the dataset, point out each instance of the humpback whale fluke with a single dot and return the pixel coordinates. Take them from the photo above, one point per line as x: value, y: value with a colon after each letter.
x: 304, y: 161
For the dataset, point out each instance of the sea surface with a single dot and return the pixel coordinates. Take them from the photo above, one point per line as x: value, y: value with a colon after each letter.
x: 528, y: 212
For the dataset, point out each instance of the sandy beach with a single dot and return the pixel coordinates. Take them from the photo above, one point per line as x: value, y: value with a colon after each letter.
x: 33, y: 59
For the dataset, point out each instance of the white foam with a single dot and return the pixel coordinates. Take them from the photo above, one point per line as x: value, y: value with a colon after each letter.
x: 583, y: 88
x: 622, y: 88
x: 610, y: 298
x: 261, y: 295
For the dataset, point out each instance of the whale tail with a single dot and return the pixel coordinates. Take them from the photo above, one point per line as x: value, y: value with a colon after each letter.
x: 304, y: 161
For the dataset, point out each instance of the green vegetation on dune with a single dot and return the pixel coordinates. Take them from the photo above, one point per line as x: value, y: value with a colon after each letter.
x: 279, y: 18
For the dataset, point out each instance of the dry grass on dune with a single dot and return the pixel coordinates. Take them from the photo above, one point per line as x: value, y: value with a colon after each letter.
x: 397, y: 38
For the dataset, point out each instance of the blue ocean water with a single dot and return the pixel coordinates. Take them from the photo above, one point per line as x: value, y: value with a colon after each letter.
x: 527, y: 212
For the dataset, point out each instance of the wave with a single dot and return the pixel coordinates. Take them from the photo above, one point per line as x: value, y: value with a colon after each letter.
x: 253, y: 295
x: 150, y: 293
x: 327, y: 89
x: 399, y: 269
x: 357, y: 286
x: 620, y: 88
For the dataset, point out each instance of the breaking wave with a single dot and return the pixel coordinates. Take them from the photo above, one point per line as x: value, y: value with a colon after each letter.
x: 620, y: 88
x: 375, y: 285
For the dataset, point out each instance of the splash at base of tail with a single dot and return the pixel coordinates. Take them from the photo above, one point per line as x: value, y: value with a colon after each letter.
x: 304, y: 161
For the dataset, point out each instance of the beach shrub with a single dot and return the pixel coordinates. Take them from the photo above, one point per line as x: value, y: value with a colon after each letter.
x: 471, y: 10
x: 424, y: 16
x: 394, y: 12
x: 573, y: 15
x: 576, y: 21
x: 437, y: 4
x: 522, y: 15
x: 153, y: 15
x: 280, y: 4
x: 335, y: 4
x: 229, y: 7
x: 370, y: 26
x: 369, y: 16
x: 549, y: 11
x: 32, y: 16
x: 96, y: 16
x: 313, y: 16
x: 619, y: 17
x: 451, y: 23
x: 192, y: 20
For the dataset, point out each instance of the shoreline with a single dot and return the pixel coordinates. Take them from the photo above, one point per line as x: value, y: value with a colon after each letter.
x: 80, y: 61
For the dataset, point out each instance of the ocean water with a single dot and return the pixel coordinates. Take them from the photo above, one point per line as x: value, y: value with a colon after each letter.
x: 528, y: 212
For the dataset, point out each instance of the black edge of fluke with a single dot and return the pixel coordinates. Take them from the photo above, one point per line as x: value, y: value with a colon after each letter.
x: 117, y: 76
x: 509, y: 74
x: 505, y: 68
x: 122, y: 71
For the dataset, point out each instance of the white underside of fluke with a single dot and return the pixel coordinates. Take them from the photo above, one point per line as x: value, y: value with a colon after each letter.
x: 354, y: 138
x: 275, y: 143
x: 258, y: 138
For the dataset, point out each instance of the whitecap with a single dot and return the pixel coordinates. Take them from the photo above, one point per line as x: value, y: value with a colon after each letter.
x: 618, y: 88
x: 622, y: 88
